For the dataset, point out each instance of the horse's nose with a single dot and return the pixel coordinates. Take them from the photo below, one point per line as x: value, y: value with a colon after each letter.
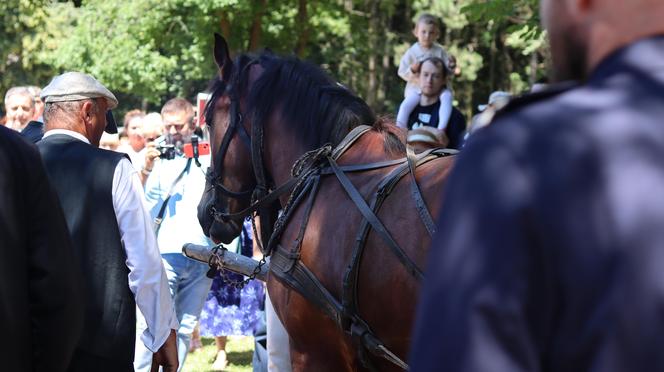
x: 217, y: 216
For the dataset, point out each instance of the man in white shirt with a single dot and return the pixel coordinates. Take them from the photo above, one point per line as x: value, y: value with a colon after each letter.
x: 173, y: 189
x: 101, y: 197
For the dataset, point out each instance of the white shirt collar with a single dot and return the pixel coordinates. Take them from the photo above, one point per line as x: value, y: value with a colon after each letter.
x: 67, y: 132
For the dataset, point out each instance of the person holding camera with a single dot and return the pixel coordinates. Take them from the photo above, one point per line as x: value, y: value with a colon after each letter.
x: 174, y: 174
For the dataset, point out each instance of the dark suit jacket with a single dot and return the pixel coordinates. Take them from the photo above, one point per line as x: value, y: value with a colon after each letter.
x: 40, y: 295
x: 549, y: 254
x: 34, y: 131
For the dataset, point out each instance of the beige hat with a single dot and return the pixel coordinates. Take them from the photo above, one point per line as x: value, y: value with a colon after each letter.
x: 75, y: 86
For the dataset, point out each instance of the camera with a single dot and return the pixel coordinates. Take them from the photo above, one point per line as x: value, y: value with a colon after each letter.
x: 166, y: 151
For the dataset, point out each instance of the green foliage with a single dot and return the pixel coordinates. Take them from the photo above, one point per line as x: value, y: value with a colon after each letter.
x: 521, y: 13
x: 162, y: 54
x: 148, y: 51
x: 20, y: 21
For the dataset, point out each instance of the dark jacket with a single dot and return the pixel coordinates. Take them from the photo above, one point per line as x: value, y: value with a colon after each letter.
x: 41, y: 301
x: 550, y: 247
x: 34, y: 131
x: 82, y: 175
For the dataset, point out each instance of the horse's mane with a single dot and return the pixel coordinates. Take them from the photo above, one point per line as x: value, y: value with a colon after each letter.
x: 317, y: 109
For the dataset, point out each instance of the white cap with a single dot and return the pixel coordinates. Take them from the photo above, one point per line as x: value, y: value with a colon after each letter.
x: 496, y: 97
x: 76, y: 86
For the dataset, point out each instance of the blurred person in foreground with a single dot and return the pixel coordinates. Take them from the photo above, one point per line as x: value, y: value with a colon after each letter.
x: 550, y: 245
x: 41, y: 301
x: 110, y: 228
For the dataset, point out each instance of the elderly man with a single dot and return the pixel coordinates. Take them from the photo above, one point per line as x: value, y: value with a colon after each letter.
x: 20, y: 108
x: 112, y: 233
x: 550, y: 244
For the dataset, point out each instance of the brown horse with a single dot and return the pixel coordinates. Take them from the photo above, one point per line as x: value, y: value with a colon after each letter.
x: 274, y: 119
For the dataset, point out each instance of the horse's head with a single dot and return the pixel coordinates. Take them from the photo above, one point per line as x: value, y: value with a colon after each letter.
x: 230, y: 179
x: 253, y: 97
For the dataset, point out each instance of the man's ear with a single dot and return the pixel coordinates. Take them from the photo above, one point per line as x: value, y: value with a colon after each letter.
x: 87, y: 111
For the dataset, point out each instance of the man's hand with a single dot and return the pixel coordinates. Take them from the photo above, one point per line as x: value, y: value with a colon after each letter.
x: 167, y: 356
x: 151, y: 153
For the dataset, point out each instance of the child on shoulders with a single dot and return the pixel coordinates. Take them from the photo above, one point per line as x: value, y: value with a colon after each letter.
x: 426, y: 31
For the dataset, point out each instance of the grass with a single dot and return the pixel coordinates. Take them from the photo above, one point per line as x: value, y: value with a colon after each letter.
x: 239, y: 351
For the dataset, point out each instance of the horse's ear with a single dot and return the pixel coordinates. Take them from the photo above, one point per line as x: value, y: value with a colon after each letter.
x: 222, y: 56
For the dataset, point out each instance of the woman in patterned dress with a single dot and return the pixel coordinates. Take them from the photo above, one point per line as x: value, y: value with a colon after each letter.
x: 231, y: 311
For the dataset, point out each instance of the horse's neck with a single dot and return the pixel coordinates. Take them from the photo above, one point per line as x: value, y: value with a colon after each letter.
x: 280, y: 155
x: 284, y: 151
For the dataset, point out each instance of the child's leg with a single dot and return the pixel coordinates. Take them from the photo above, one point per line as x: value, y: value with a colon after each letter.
x: 407, y: 106
x: 220, y: 362
x: 445, y: 110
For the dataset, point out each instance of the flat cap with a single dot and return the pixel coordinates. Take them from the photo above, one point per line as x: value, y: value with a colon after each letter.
x: 76, y: 86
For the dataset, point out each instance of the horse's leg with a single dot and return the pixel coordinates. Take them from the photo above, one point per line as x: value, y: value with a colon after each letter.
x: 316, y: 344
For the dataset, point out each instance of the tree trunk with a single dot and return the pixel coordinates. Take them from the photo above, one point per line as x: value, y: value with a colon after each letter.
x: 492, y: 64
x: 534, y: 62
x: 374, y: 25
x: 303, y: 21
x: 224, y: 25
x: 257, y: 25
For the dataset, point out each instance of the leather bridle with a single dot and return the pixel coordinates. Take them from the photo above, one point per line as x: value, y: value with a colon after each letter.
x: 236, y: 125
x: 263, y: 196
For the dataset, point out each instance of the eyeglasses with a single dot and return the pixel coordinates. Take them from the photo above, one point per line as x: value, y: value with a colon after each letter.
x: 178, y: 127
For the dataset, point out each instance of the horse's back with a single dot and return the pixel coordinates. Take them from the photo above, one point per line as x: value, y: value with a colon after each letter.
x: 386, y: 292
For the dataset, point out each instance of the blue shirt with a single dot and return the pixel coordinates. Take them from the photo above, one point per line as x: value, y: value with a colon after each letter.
x: 180, y: 222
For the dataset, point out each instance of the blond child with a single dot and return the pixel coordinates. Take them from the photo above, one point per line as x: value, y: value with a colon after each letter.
x: 426, y: 31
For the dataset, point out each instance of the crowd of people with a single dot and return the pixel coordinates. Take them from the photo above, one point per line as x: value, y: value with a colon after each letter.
x: 547, y: 255
x: 119, y: 214
x: 428, y: 70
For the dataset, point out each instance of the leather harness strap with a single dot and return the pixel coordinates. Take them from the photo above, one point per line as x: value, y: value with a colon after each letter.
x: 375, y: 222
x: 288, y: 268
x: 417, y: 194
